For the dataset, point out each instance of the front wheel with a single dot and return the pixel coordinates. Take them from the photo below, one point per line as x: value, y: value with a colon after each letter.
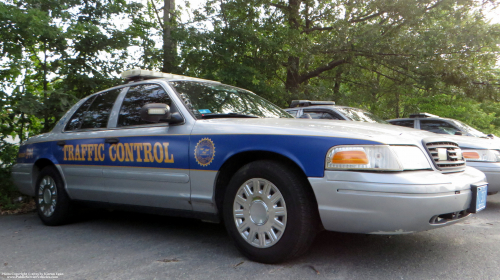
x: 270, y: 212
x: 52, y: 203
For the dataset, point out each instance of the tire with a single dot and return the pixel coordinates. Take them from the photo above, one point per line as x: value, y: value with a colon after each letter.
x: 492, y: 193
x: 52, y: 202
x: 270, y: 212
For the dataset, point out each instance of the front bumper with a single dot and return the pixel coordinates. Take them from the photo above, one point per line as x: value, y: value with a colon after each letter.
x: 392, y: 203
x: 492, y: 172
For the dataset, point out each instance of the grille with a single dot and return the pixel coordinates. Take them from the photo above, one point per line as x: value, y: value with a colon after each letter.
x: 447, y: 156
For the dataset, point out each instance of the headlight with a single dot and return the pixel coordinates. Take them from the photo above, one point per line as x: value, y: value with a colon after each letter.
x: 376, y: 157
x: 481, y: 155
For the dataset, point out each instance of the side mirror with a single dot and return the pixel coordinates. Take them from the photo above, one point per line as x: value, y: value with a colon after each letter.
x: 154, y: 112
x: 458, y: 132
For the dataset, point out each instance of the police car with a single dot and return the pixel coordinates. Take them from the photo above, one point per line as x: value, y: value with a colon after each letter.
x: 189, y: 147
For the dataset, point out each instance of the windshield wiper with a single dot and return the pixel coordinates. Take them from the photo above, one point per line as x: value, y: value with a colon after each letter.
x: 228, y: 115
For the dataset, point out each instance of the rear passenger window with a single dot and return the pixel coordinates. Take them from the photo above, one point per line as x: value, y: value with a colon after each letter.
x: 98, y: 113
x: 77, y: 118
x: 408, y: 123
x: 293, y: 112
x: 137, y: 97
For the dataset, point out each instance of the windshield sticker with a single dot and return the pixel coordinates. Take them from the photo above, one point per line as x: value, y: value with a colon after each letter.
x: 204, y: 111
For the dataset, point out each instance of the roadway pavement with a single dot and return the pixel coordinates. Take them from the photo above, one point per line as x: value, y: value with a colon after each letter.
x: 120, y: 245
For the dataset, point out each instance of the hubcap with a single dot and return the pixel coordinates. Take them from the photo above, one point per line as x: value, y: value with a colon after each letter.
x: 260, y: 214
x: 47, y: 196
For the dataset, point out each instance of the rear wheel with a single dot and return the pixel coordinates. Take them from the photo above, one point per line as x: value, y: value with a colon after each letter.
x: 52, y: 202
x: 270, y: 212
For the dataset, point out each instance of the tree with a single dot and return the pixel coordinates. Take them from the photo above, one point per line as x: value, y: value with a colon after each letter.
x: 53, y: 53
x: 336, y: 49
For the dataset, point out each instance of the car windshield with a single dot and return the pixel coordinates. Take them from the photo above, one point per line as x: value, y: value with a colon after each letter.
x: 214, y: 100
x: 468, y: 129
x: 360, y: 115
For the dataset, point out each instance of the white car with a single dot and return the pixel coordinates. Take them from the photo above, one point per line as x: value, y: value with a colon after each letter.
x: 480, y: 150
x: 183, y: 146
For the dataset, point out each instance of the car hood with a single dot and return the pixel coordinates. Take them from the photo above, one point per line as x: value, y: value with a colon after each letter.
x: 382, y: 133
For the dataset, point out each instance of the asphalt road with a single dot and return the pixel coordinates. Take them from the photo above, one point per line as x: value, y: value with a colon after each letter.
x: 120, y: 245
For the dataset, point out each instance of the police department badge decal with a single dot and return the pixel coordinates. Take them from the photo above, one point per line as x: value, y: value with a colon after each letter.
x: 204, y: 152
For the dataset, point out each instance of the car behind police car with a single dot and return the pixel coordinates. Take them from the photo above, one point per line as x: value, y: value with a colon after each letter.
x: 479, y: 151
x: 196, y: 148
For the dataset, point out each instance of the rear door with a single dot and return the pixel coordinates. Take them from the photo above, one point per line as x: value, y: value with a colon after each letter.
x: 80, y: 149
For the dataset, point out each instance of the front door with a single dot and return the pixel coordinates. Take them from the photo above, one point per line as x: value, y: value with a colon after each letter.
x: 148, y: 163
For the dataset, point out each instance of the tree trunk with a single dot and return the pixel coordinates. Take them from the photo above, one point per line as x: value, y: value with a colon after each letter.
x: 292, y: 69
x: 46, y: 114
x: 169, y: 45
x: 336, y: 85
x: 397, y: 104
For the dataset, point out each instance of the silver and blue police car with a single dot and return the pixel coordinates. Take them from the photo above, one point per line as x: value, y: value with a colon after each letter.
x: 189, y: 147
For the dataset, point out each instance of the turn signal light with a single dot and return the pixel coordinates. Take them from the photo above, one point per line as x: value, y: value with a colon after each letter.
x: 472, y: 155
x: 350, y: 157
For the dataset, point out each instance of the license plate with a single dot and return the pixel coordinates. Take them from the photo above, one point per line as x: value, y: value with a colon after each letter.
x: 478, y: 202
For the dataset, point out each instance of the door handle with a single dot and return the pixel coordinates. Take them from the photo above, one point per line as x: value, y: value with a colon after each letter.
x: 61, y: 143
x: 112, y: 140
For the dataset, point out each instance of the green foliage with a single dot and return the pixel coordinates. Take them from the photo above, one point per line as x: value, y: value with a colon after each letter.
x: 380, y: 55
x: 7, y: 190
x: 53, y: 53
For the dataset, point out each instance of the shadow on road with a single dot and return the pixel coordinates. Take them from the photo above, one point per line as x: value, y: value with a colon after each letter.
x: 328, y: 248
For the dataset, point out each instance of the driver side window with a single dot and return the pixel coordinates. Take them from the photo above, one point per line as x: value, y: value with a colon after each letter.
x: 321, y: 115
x: 136, y: 98
x: 438, y: 127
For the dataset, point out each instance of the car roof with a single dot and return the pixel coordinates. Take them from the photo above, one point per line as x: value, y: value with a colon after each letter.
x: 140, y: 75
